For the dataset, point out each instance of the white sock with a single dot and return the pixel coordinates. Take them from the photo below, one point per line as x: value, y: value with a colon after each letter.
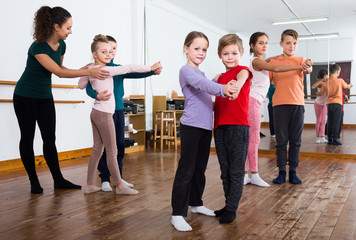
x: 105, y: 187
x: 202, y: 210
x: 130, y: 185
x: 247, y: 180
x: 180, y: 224
x: 255, y: 179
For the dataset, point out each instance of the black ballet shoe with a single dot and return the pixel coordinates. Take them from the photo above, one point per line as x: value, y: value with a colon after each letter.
x: 219, y: 213
x: 227, y: 217
x: 65, y: 184
x: 36, y: 189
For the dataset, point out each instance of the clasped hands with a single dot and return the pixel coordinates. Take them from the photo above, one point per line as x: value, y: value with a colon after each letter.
x: 232, y: 90
x: 307, y: 64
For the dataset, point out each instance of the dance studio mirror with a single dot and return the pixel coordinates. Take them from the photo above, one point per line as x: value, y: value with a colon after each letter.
x: 323, y: 52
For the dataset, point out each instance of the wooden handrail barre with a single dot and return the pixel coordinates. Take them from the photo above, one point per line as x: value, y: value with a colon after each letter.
x: 53, y: 85
x: 55, y: 101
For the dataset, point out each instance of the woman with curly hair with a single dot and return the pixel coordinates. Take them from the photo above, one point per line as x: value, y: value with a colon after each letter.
x: 33, y: 100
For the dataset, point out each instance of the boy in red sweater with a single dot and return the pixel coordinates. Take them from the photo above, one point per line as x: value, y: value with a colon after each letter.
x: 232, y: 126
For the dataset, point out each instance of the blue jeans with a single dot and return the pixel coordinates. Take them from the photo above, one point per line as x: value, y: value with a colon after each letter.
x: 119, y: 122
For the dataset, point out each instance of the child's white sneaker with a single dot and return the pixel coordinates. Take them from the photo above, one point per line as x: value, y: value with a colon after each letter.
x: 105, y: 187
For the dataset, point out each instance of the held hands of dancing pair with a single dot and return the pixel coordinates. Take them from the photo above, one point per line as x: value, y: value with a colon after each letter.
x: 232, y: 88
x: 307, y: 66
x: 104, y: 95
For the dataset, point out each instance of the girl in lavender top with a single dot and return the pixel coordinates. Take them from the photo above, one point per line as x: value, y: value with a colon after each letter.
x: 196, y: 131
x: 101, y: 115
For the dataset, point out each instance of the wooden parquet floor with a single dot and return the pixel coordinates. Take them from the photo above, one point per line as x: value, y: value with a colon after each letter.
x: 323, y: 207
x: 347, y: 137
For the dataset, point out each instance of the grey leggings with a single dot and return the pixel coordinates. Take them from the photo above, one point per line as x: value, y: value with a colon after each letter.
x: 104, y: 136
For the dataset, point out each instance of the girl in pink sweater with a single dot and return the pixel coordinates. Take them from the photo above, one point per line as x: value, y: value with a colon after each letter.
x: 101, y: 115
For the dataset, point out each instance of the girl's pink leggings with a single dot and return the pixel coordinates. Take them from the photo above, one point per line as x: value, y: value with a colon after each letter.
x: 254, y: 117
x: 320, y: 113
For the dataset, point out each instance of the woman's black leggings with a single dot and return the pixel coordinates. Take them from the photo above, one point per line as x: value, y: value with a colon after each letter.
x: 28, y: 112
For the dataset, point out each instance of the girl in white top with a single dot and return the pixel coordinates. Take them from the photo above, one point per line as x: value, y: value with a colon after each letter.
x: 320, y: 106
x: 101, y: 115
x: 259, y: 88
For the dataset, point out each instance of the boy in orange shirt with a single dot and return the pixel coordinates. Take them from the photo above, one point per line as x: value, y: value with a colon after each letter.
x: 288, y: 106
x: 335, y: 102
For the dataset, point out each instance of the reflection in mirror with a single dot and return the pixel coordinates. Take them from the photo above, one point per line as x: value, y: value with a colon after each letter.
x: 324, y: 52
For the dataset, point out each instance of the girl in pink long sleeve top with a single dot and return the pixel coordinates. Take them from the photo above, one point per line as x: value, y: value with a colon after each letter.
x: 101, y: 115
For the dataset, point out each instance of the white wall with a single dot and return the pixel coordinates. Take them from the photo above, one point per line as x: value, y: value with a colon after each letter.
x: 73, y: 126
x: 167, y: 27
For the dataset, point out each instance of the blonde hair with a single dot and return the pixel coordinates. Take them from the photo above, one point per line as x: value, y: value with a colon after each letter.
x: 98, y: 38
x: 230, y: 39
x: 289, y: 32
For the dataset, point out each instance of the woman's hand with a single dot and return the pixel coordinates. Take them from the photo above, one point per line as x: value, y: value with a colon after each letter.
x: 103, y: 96
x: 99, y: 73
x: 86, y: 66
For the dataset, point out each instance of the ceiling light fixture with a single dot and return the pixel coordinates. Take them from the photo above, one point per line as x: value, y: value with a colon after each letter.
x: 318, y: 36
x: 299, y: 20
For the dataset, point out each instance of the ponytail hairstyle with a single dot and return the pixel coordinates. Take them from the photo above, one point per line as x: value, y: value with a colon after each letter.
x: 253, y: 39
x: 97, y: 39
x: 44, y: 21
x: 322, y: 73
x: 110, y: 38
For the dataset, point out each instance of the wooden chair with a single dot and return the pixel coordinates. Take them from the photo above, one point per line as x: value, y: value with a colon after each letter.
x: 166, y: 121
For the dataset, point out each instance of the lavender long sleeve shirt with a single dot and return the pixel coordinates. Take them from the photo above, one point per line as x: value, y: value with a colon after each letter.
x: 197, y: 90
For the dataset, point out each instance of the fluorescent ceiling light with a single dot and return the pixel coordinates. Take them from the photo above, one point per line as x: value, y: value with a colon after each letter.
x: 318, y: 36
x: 299, y: 20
